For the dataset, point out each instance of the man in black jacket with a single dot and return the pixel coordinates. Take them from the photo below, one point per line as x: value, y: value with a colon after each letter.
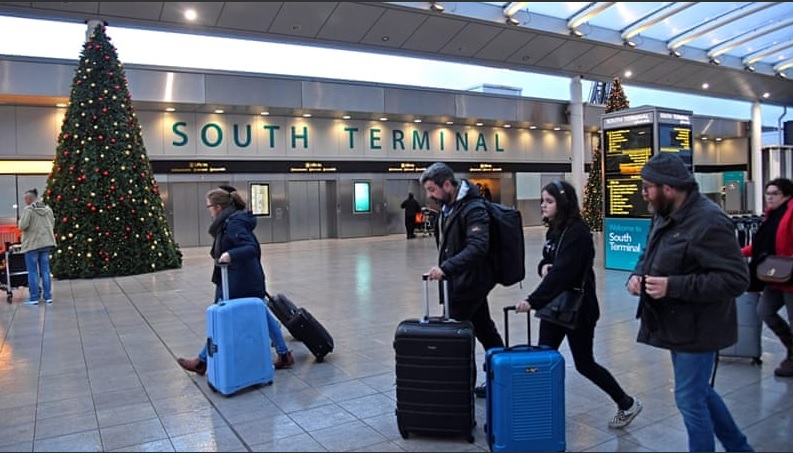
x: 687, y: 279
x: 463, y: 236
x: 411, y: 207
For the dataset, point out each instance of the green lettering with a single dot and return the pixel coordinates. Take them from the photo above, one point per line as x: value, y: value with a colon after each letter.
x: 442, y: 144
x: 237, y: 136
x: 204, y: 138
x: 499, y: 149
x: 351, y: 131
x: 374, y: 139
x: 303, y: 137
x: 271, y: 130
x: 398, y: 137
x: 480, y: 142
x: 462, y: 141
x: 175, y: 129
x: 420, y: 141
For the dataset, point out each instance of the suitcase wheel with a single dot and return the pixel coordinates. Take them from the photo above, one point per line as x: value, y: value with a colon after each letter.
x: 471, y: 438
x: 404, y: 433
x: 321, y: 359
x: 212, y: 387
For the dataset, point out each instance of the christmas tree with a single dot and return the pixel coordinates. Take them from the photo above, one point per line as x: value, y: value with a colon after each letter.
x: 109, y: 215
x: 617, y: 100
x: 593, y: 193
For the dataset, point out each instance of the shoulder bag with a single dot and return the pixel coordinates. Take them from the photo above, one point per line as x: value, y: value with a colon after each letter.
x: 563, y: 309
x: 776, y: 269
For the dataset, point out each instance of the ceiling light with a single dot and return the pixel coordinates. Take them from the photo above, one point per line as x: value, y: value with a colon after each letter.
x: 749, y: 68
x: 265, y: 113
x: 306, y: 115
x: 60, y: 105
x: 628, y: 43
x: 714, y: 61
x: 417, y: 120
x: 532, y: 127
x: 557, y: 128
x: 576, y: 32
x: 628, y: 74
x: 383, y: 118
x: 219, y: 111
x: 766, y: 95
x: 675, y: 53
x: 507, y: 126
x: 437, y: 7
x: 170, y: 109
x: 781, y: 75
x: 190, y: 14
x: 705, y: 86
x: 345, y: 117
x: 512, y: 21
x: 480, y: 124
x: 449, y: 123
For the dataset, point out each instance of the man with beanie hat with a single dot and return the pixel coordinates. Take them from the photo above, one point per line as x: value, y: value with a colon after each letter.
x: 687, y: 279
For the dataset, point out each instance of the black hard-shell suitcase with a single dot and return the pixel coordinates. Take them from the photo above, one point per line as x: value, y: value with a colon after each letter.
x: 435, y: 374
x: 302, y: 325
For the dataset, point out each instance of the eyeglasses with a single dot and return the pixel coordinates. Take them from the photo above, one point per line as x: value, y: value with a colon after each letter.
x: 773, y: 193
x: 646, y: 187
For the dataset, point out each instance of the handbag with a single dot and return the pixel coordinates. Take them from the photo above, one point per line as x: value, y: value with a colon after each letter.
x: 564, y: 308
x: 776, y: 269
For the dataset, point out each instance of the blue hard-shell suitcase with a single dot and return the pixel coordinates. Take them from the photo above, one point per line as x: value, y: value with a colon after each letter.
x: 525, y: 396
x: 238, y: 343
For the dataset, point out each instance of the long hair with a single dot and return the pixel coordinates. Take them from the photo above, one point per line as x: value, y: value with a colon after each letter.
x: 224, y: 198
x: 567, y: 207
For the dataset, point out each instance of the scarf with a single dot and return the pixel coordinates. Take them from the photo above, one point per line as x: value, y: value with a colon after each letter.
x: 217, y: 227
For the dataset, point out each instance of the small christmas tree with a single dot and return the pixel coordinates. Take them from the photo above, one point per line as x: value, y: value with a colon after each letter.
x: 617, y: 100
x: 109, y: 215
x: 593, y: 194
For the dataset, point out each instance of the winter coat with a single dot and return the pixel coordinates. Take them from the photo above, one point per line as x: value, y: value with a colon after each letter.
x: 246, y: 274
x: 36, y: 224
x: 695, y: 246
x: 570, y: 263
x: 463, y: 238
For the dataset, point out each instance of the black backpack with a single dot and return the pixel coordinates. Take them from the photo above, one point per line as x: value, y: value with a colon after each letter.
x: 507, y: 249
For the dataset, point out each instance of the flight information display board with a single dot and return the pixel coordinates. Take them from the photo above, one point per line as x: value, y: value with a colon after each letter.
x: 627, y: 149
x: 624, y: 197
x: 676, y: 139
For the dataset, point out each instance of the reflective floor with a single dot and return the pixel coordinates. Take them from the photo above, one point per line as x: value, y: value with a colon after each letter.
x: 96, y: 370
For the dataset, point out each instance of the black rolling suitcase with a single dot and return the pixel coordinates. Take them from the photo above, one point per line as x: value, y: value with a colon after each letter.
x: 302, y: 325
x: 435, y: 374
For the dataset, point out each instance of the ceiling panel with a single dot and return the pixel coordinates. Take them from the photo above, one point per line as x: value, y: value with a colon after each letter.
x: 623, y: 60
x: 75, y: 7
x: 504, y: 44
x: 393, y: 28
x: 470, y: 40
x: 350, y: 22
x: 302, y: 19
x: 536, y: 49
x: 433, y: 34
x: 565, y: 54
x: 250, y: 16
x: 135, y: 10
x: 591, y: 58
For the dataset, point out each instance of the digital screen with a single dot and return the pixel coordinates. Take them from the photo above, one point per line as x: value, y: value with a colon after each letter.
x: 627, y: 149
x: 624, y: 197
x: 260, y: 199
x: 362, y: 199
x: 676, y: 139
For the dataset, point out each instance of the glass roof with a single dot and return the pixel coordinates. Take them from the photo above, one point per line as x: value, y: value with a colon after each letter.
x: 752, y: 32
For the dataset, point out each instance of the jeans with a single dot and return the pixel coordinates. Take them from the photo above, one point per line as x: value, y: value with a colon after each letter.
x: 704, y: 413
x: 276, y: 336
x: 37, y: 263
x: 771, y: 302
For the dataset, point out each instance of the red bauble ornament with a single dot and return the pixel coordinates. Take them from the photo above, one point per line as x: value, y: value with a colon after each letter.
x: 111, y: 74
x: 107, y: 57
x: 65, y: 219
x: 105, y: 173
x: 104, y: 109
x: 101, y: 137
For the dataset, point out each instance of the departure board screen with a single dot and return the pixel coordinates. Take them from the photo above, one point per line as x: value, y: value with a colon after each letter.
x: 624, y: 197
x: 676, y: 139
x: 627, y: 149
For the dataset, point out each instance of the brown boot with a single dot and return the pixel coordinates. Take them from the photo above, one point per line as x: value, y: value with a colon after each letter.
x: 284, y: 361
x: 194, y: 365
x: 785, y: 369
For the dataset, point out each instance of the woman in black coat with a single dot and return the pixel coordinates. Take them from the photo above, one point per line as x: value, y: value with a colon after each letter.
x: 567, y: 260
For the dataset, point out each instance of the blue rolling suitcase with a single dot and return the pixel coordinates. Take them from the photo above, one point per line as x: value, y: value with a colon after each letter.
x: 238, y: 343
x: 525, y: 396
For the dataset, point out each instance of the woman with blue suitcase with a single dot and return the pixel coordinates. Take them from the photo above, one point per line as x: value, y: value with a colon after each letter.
x: 234, y: 241
x: 563, y: 266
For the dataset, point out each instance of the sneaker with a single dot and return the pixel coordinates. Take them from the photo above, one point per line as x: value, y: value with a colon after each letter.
x: 49, y: 301
x: 284, y: 361
x: 31, y: 302
x: 625, y: 417
x: 480, y: 391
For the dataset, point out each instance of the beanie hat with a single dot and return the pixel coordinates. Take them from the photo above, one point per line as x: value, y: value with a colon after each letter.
x: 667, y: 169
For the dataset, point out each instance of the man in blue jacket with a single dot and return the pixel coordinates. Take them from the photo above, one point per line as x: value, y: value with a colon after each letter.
x: 687, y: 279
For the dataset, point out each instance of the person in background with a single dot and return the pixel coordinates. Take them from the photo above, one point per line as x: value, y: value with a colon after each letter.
x: 236, y: 244
x: 774, y: 236
x: 411, y: 207
x: 687, y: 278
x: 38, y: 238
x: 463, y: 236
x: 567, y: 257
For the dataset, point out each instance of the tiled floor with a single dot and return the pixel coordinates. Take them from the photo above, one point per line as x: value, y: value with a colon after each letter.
x: 96, y: 370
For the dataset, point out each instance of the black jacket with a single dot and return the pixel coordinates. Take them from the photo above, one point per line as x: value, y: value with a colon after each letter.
x: 463, y: 238
x: 696, y: 248
x: 572, y: 260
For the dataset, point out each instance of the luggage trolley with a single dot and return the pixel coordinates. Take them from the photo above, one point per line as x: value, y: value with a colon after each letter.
x: 425, y: 221
x: 12, y: 266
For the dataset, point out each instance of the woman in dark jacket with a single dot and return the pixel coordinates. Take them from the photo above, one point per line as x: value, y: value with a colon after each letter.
x: 567, y: 260
x: 775, y: 237
x: 236, y: 244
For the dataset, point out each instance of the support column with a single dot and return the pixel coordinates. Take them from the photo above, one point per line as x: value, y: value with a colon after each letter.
x: 756, y: 159
x: 577, y: 135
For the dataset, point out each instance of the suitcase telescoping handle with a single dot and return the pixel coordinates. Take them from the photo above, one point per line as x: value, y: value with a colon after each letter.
x: 224, y: 280
x: 426, y: 278
x: 507, y: 309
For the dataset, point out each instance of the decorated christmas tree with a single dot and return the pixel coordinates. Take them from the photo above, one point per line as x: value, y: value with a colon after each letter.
x: 617, y: 100
x: 109, y: 215
x: 593, y: 193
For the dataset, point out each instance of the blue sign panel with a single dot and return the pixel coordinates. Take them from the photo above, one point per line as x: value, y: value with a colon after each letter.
x: 624, y: 240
